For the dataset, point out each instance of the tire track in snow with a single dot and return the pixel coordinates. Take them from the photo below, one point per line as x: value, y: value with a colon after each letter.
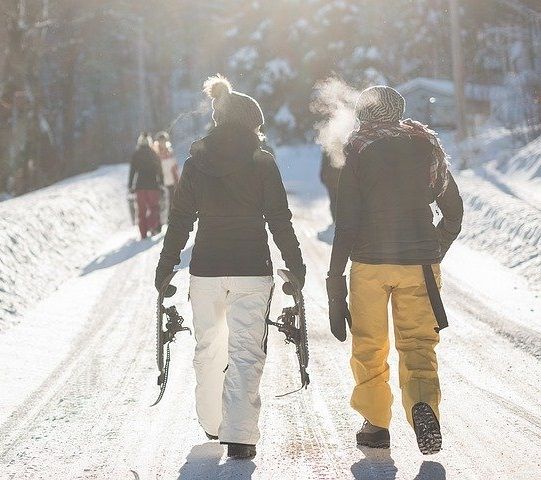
x: 67, y: 389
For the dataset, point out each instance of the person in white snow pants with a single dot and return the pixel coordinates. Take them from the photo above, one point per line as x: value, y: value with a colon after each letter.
x: 234, y: 190
x: 229, y: 320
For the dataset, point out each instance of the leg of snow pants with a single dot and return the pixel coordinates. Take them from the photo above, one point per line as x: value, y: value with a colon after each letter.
x: 153, y: 220
x: 416, y: 339
x: 414, y: 322
x: 369, y: 298
x: 248, y: 300
x: 142, y: 207
x: 208, y: 299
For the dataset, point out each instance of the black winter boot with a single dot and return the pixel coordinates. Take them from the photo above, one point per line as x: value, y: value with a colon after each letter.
x: 374, y: 437
x: 427, y: 428
x: 240, y: 450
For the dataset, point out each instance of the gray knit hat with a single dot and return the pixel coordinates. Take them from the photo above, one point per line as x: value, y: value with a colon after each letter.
x: 380, y: 104
x: 230, y: 106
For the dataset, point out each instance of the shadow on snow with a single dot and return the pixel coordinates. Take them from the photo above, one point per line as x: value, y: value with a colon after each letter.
x: 379, y: 465
x: 127, y: 251
x: 203, y: 462
x: 327, y: 235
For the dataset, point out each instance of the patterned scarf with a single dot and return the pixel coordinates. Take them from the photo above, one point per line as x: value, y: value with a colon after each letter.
x: 369, y: 132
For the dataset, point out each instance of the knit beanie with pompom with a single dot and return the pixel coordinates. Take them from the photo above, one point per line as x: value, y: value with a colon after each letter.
x: 229, y: 106
x: 380, y: 104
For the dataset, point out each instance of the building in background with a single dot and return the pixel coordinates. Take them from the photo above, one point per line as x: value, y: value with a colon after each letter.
x: 432, y: 101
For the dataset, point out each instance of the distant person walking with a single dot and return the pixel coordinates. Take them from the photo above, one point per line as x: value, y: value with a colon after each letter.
x: 146, y: 179
x: 329, y: 174
x: 171, y: 172
x: 394, y: 170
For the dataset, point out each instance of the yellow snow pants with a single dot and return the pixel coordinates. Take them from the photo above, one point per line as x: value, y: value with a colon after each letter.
x: 371, y: 287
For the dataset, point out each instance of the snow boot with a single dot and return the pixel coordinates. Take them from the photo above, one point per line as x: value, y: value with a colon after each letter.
x: 427, y: 428
x: 374, y: 437
x: 211, y: 437
x: 240, y: 450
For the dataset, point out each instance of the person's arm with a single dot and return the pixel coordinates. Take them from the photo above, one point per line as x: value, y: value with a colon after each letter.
x: 278, y: 216
x: 348, y: 206
x: 181, y: 220
x: 452, y: 209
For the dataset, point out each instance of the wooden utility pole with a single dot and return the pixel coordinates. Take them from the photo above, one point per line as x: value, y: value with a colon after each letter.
x: 141, y: 72
x: 458, y: 74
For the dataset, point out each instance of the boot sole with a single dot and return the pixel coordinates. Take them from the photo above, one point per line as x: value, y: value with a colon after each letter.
x: 427, y: 429
x: 374, y: 444
x: 381, y: 441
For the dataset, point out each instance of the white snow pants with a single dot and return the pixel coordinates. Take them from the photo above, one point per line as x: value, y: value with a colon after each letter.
x: 231, y: 335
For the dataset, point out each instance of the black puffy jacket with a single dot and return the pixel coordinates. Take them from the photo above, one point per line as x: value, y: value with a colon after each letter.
x: 234, y: 189
x: 383, y: 207
x: 145, y: 169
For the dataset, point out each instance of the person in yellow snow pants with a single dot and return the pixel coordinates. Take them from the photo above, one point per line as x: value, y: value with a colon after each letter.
x: 371, y: 288
x: 394, y: 170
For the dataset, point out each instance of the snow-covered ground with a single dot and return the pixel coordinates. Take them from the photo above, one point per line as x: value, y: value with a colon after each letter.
x: 46, y: 235
x: 502, y: 209
x: 78, y: 371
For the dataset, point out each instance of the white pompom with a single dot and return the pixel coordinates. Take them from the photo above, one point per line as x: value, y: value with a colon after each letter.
x: 217, y: 86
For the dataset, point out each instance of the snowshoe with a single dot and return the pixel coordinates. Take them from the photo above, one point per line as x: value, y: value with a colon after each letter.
x: 374, y: 437
x: 240, y: 450
x: 168, y: 324
x: 292, y: 323
x: 427, y: 428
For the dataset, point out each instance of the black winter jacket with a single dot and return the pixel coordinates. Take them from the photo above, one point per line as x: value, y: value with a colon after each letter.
x: 147, y: 166
x: 383, y: 207
x: 234, y: 189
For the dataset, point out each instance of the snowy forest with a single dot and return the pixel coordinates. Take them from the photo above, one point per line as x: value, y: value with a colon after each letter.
x: 79, y: 79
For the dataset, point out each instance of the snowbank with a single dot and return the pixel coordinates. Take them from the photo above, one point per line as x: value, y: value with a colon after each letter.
x: 499, y: 223
x: 46, y: 235
x: 527, y: 161
x: 497, y: 155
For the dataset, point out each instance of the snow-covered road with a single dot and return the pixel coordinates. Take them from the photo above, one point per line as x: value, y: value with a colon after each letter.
x: 77, y: 393
x: 78, y: 376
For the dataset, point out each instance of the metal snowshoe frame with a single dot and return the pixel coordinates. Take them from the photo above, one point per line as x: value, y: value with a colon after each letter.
x: 292, y: 323
x: 165, y: 334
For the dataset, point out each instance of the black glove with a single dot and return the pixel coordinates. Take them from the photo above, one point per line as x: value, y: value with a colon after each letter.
x: 338, y: 308
x: 162, y: 273
x: 300, y: 275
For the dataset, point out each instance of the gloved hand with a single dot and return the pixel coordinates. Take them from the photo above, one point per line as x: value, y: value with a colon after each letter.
x: 338, y: 308
x: 162, y: 273
x: 300, y: 275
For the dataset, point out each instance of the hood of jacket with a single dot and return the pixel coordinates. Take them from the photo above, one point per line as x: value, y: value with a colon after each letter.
x: 225, y: 150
